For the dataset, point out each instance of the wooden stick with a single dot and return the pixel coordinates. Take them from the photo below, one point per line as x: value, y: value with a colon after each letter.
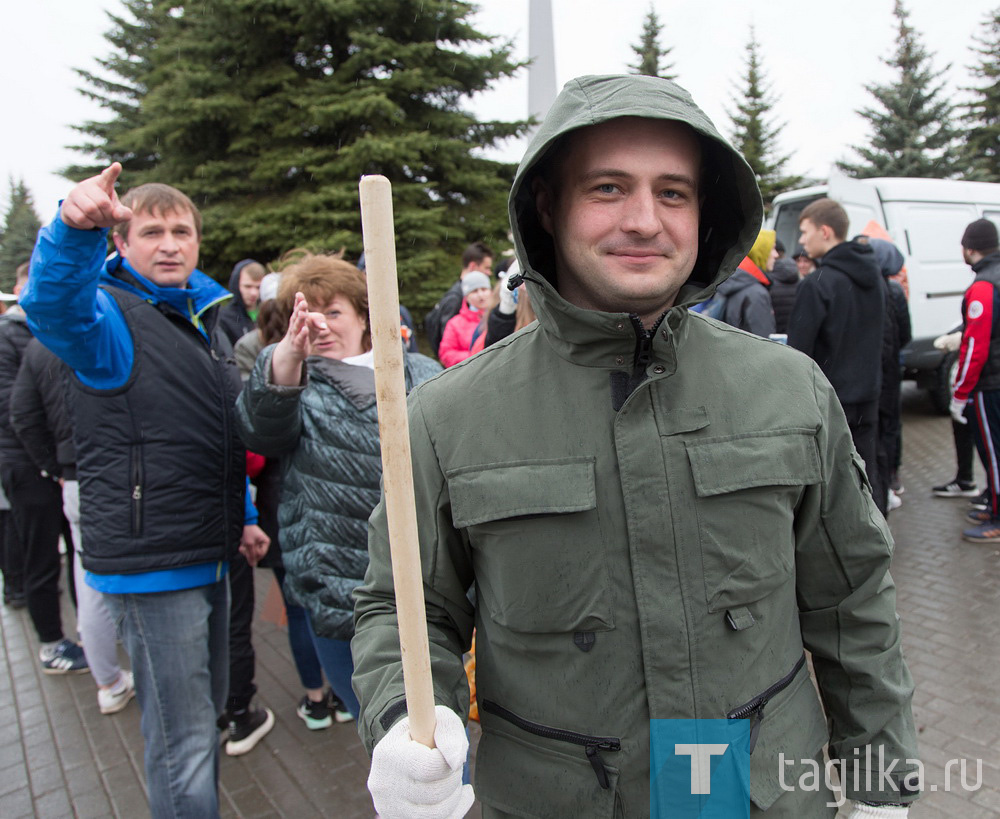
x: 397, y: 472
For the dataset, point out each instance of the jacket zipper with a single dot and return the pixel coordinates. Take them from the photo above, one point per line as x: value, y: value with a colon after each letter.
x: 756, y: 706
x: 643, y: 345
x: 226, y: 444
x: 592, y: 745
x: 136, y: 490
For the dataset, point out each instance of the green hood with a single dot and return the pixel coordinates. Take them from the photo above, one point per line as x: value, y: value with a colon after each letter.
x: 732, y: 210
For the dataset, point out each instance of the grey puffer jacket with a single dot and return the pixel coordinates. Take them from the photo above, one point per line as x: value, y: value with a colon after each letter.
x: 326, y: 432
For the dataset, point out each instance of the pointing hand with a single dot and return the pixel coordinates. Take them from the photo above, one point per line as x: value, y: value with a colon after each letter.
x: 94, y: 202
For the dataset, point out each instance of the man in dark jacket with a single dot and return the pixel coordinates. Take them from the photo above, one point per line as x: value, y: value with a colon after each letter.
x: 36, y: 507
x: 238, y: 316
x: 40, y: 416
x: 897, y: 332
x: 837, y: 321
x: 784, y: 285
x: 978, y: 379
x: 161, y: 470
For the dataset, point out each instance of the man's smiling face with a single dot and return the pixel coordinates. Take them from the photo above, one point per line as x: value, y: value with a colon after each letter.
x: 622, y: 207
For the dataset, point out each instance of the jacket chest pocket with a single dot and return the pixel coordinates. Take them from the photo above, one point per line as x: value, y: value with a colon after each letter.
x: 536, y: 541
x: 747, y: 488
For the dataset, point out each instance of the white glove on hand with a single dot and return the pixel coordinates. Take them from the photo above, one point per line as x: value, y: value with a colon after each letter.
x: 949, y: 343
x: 508, y: 298
x: 957, y: 410
x: 863, y: 811
x: 411, y: 781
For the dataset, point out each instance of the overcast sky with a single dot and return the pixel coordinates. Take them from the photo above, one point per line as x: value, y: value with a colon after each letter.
x: 818, y: 58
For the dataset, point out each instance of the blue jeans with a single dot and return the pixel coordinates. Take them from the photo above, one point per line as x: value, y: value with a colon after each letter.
x: 179, y: 645
x: 300, y: 640
x: 338, y: 665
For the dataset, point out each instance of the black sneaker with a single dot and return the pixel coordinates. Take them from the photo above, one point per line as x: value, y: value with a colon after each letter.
x: 65, y: 658
x: 337, y: 708
x: 956, y: 489
x: 316, y: 715
x: 247, y: 728
x: 981, y: 501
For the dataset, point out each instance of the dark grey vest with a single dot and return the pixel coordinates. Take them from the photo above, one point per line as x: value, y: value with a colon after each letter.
x: 160, y: 465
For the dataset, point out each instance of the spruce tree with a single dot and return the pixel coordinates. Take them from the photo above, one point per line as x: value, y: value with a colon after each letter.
x: 20, y: 229
x: 754, y: 133
x: 267, y: 114
x: 120, y: 88
x: 982, y: 140
x: 650, y: 56
x: 911, y: 123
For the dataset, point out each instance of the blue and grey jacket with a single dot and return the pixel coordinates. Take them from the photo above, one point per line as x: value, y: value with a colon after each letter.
x: 161, y: 470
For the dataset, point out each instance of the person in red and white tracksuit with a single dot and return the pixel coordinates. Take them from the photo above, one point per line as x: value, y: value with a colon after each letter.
x: 977, y: 383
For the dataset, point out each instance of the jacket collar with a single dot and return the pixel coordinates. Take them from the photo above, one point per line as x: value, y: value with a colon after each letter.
x: 612, y: 341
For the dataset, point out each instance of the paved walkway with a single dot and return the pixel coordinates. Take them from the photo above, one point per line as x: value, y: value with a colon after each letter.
x: 59, y: 757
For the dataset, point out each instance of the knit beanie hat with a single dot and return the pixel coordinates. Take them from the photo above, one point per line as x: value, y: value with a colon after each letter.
x: 762, y: 248
x: 980, y: 235
x: 474, y: 281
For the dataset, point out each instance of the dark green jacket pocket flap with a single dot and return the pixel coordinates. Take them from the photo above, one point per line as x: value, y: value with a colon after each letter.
x: 499, y: 491
x: 787, y: 457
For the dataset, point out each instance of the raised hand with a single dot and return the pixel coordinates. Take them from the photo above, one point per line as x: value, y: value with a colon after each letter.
x: 94, y: 202
x: 304, y: 328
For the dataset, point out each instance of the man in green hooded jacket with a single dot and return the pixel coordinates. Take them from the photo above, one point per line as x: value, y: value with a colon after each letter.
x: 654, y: 527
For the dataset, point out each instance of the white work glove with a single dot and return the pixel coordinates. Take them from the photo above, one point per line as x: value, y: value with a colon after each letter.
x: 957, y: 410
x: 508, y: 298
x: 950, y: 342
x: 863, y: 811
x: 411, y: 781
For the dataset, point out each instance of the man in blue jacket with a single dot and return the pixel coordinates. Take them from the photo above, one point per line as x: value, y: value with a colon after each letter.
x: 161, y: 470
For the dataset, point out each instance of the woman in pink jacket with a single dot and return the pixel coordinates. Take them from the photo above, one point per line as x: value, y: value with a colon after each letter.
x: 456, y: 343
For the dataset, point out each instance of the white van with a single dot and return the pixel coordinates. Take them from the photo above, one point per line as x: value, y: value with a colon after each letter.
x: 925, y: 218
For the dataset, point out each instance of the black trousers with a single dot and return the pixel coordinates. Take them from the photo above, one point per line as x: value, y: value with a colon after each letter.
x: 890, y: 429
x: 242, y: 660
x: 36, y: 506
x: 863, y: 421
x: 965, y: 444
x: 11, y: 557
x: 986, y: 407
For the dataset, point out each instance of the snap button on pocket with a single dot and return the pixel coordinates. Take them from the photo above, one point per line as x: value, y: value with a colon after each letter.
x: 659, y: 369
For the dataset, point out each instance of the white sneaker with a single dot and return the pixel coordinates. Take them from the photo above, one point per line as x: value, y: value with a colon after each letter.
x: 111, y: 701
x: 894, y: 501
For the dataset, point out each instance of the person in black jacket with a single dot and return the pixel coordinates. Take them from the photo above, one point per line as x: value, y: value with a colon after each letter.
x: 837, y: 321
x: 238, y: 316
x: 36, y: 508
x: 897, y: 333
x: 40, y: 417
x: 784, y: 285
